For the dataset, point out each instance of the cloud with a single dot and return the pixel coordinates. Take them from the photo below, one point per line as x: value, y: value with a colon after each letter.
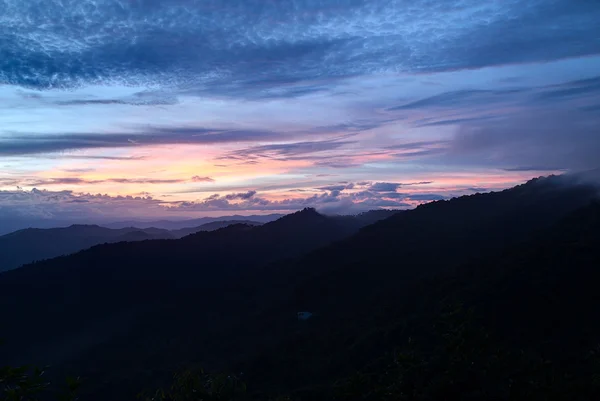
x: 418, y: 149
x: 91, y: 157
x: 533, y: 168
x: 384, y: 186
x: 241, y: 196
x: 591, y: 108
x: 416, y: 183
x: 340, y: 187
x: 454, y: 121
x: 571, y: 89
x: 37, y: 207
x: 79, y: 170
x: 459, y: 98
x: 286, y: 151
x: 43, y: 208
x: 235, y: 49
x: 197, y: 178
x: 144, y: 98
x: 533, y: 140
x: 339, y: 162
x: 27, y: 144
x: 419, y: 145
x: 425, y: 197
x: 42, y: 182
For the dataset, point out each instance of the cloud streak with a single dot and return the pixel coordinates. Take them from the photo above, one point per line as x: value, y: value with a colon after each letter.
x: 43, y: 182
x: 50, y: 143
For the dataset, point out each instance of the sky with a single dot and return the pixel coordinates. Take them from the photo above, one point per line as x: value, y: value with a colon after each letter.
x: 143, y: 109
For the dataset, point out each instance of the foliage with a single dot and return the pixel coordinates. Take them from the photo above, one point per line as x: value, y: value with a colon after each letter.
x: 25, y: 383
x: 200, y: 386
x: 466, y: 363
x: 21, y: 383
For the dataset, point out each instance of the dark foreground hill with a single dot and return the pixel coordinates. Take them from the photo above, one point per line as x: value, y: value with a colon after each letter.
x: 519, y: 266
x: 94, y: 295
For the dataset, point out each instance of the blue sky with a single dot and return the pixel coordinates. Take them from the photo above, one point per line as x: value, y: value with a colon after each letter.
x: 144, y: 109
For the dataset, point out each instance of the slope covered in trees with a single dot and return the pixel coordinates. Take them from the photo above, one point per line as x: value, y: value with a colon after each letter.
x: 490, y: 296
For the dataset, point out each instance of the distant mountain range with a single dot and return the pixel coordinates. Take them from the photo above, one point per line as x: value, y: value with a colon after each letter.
x: 214, y: 225
x: 33, y: 244
x: 181, y: 224
x: 522, y: 262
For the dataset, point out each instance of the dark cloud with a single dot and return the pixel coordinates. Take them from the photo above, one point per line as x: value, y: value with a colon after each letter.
x: 197, y: 178
x: 143, y: 181
x: 419, y: 153
x: 418, y: 149
x: 384, y: 186
x: 259, y: 48
x: 592, y: 108
x: 459, y: 104
x: 417, y: 183
x: 454, y: 121
x: 416, y: 145
x: 538, y: 140
x: 571, y: 89
x: 79, y: 170
x: 42, y: 182
x: 455, y: 99
x: 529, y: 34
x: 145, y: 98
x: 94, y: 157
x: 338, y: 162
x: 242, y: 196
x: 425, y: 197
x: 477, y: 189
x: 337, y: 187
x: 26, y: 144
x: 533, y: 168
x: 286, y: 151
x: 355, y: 126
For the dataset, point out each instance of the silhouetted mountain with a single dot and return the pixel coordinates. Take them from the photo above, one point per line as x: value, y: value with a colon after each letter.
x: 215, y: 225
x: 228, y: 299
x: 182, y: 224
x: 29, y: 245
x: 105, y: 282
x: 26, y: 246
x: 364, y: 219
x: 377, y: 288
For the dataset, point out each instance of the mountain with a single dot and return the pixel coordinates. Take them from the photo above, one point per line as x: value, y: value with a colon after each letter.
x: 181, y: 224
x: 28, y: 245
x: 375, y: 289
x: 111, y: 282
x: 214, y: 225
x: 127, y: 315
x: 32, y: 244
x: 526, y: 327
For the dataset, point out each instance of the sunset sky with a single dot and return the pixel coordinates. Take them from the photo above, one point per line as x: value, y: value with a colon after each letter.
x: 144, y: 109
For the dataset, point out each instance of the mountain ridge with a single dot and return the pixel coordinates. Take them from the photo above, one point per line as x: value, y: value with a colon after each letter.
x: 230, y: 296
